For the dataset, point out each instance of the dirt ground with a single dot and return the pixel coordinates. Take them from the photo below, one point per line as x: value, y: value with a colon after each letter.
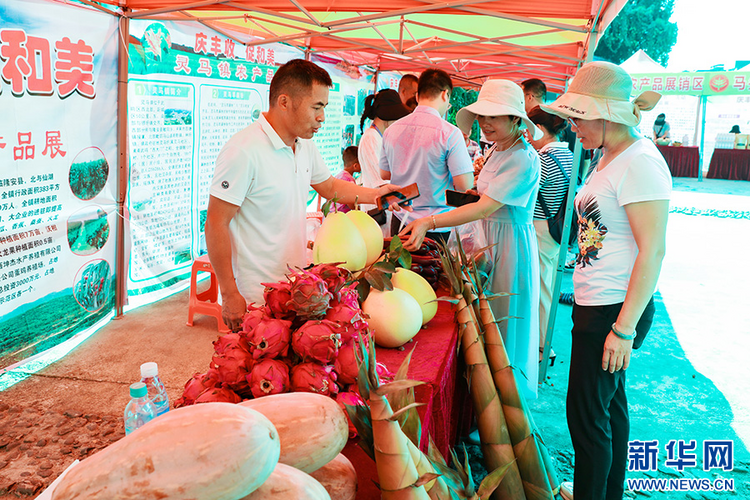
x: 687, y: 382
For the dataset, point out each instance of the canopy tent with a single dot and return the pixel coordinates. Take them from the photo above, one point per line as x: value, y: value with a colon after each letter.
x: 471, y: 39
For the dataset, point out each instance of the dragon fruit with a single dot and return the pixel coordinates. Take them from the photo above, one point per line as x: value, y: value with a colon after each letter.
x: 200, y: 383
x: 334, y: 276
x: 219, y: 395
x: 313, y: 377
x: 277, y: 296
x: 352, y: 324
x: 384, y: 374
x: 345, y: 399
x: 269, y: 376
x: 348, y: 296
x: 346, y: 365
x: 310, y: 298
x: 229, y: 341
x: 270, y: 338
x: 233, y: 365
x: 253, y: 316
x: 317, y: 340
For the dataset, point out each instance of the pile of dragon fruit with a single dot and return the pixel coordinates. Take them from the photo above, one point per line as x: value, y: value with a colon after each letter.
x: 301, y: 340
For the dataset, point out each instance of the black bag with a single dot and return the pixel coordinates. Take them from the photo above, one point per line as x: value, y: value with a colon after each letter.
x: 556, y: 222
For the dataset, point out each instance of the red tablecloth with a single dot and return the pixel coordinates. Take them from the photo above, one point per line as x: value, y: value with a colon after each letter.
x: 732, y: 164
x: 683, y: 161
x: 447, y: 408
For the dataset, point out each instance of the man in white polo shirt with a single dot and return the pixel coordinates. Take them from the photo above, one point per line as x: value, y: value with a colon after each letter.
x: 256, y: 212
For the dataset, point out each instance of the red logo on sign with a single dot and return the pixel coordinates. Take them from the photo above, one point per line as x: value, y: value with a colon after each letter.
x: 719, y: 83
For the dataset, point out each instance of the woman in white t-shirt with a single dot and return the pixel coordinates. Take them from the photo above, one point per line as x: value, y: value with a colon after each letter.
x: 622, y: 216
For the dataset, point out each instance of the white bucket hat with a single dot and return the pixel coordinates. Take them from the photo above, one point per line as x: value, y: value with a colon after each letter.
x: 497, y: 98
x: 601, y: 90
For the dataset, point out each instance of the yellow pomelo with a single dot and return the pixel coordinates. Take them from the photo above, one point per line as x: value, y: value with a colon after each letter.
x: 418, y: 287
x: 339, y: 240
x: 371, y: 233
x: 394, y: 316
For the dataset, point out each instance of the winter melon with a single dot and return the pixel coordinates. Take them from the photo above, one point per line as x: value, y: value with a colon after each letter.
x: 220, y: 451
x: 312, y: 428
x: 289, y: 483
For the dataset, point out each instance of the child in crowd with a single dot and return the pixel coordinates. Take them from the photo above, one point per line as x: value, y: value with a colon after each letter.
x: 351, y: 166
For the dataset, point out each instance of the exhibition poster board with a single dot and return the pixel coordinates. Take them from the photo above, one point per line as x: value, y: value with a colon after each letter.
x: 58, y: 159
x: 189, y: 90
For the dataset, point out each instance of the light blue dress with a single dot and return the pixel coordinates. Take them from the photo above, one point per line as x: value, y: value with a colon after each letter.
x: 512, y: 177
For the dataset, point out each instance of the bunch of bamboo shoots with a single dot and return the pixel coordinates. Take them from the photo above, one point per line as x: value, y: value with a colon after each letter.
x: 506, y: 429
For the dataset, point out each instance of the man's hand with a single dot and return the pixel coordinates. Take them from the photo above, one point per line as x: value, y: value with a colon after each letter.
x: 394, y: 206
x: 417, y: 230
x: 233, y: 309
x: 616, y: 353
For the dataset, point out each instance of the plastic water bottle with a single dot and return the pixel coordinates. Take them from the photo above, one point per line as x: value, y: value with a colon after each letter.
x: 140, y: 409
x: 156, y: 391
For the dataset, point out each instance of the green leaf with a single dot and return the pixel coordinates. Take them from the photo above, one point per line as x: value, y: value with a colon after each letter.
x: 326, y: 208
x: 386, y: 267
x: 363, y: 289
x: 405, y: 259
x: 492, y: 481
x: 378, y: 280
x: 395, y: 245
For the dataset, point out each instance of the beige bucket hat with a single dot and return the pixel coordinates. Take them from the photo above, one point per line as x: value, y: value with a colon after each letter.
x: 497, y: 98
x: 601, y: 90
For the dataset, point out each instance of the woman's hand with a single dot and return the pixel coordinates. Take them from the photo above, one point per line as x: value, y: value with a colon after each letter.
x: 416, y: 231
x: 616, y: 353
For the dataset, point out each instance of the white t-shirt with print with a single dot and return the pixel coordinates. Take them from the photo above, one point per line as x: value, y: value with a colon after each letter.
x: 270, y: 183
x: 607, y: 249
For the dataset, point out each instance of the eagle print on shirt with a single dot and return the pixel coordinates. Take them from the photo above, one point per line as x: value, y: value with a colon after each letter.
x: 591, y: 231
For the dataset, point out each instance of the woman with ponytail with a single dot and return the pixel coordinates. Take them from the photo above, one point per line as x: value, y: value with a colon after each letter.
x: 382, y: 108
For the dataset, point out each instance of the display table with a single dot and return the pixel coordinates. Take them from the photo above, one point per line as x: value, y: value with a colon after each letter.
x: 447, y: 408
x: 732, y: 164
x: 683, y: 161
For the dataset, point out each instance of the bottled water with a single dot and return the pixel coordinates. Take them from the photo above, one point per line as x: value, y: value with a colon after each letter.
x: 140, y: 409
x: 156, y: 391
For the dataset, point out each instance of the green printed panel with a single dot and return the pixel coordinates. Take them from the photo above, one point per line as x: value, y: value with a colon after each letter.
x: 161, y: 90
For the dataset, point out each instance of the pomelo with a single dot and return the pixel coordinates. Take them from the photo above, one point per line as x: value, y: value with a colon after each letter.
x: 394, y: 316
x: 371, y: 233
x: 419, y: 288
x: 339, y: 240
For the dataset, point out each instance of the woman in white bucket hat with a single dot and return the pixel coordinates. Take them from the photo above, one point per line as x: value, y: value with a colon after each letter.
x: 622, y: 217
x: 508, y: 185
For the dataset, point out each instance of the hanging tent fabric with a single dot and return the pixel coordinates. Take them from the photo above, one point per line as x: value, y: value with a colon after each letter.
x: 471, y: 39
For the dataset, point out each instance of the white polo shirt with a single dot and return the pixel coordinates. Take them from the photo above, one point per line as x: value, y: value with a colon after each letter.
x: 270, y: 183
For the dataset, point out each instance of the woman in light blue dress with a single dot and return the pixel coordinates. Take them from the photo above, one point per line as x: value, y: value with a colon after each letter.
x: 508, y: 186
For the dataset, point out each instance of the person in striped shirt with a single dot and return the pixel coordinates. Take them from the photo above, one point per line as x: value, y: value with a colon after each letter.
x: 557, y: 162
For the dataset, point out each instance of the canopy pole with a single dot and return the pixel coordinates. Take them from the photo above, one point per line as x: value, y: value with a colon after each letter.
x: 702, y: 101
x: 122, y: 164
x: 563, y: 252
